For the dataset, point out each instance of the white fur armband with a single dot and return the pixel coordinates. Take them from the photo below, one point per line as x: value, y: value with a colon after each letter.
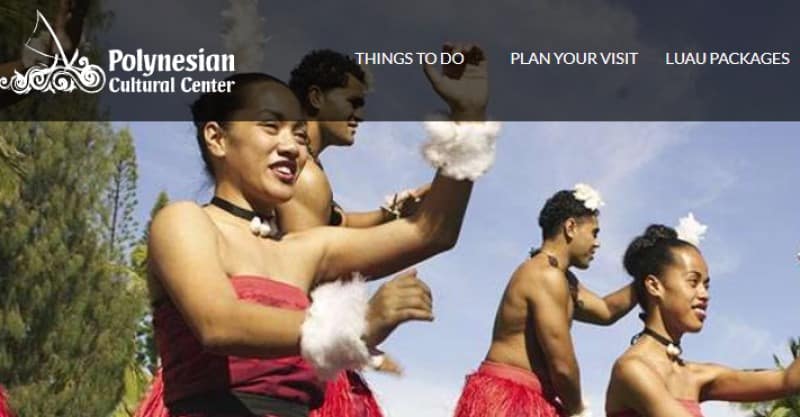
x: 462, y: 150
x: 335, y: 321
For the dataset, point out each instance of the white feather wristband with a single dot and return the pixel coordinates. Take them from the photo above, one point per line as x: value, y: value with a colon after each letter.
x: 462, y: 150
x: 335, y: 322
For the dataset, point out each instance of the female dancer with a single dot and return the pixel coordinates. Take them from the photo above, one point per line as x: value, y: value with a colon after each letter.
x: 230, y: 290
x: 651, y: 379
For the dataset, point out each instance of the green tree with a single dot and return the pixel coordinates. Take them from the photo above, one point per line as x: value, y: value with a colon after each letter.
x: 136, y: 382
x: 121, y: 195
x: 144, y: 363
x: 146, y: 353
x: 786, y: 407
x: 11, y: 171
x: 67, y: 315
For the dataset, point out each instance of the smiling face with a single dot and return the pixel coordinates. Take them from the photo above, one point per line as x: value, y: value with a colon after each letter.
x: 340, y: 110
x: 264, y: 149
x: 583, y: 233
x: 682, y: 290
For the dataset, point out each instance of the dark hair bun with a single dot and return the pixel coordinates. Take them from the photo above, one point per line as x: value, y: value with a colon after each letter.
x: 656, y: 232
x: 635, y: 258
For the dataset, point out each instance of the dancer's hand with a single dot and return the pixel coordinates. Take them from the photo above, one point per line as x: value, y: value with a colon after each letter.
x: 413, y: 200
x: 388, y: 365
x: 465, y: 87
x: 404, y: 298
x: 406, y: 202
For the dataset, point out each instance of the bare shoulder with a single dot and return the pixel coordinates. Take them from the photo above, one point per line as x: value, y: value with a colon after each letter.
x: 179, y: 214
x: 705, y: 372
x: 181, y: 220
x: 312, y: 181
x: 183, y: 240
x: 312, y: 197
x: 537, y: 276
x: 630, y: 370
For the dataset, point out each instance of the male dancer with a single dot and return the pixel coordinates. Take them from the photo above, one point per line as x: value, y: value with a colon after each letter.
x: 331, y: 87
x: 531, y: 363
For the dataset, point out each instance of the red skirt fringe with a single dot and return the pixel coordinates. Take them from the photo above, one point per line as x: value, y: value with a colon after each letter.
x: 498, y: 390
x: 5, y: 409
x: 348, y: 396
x: 153, y: 403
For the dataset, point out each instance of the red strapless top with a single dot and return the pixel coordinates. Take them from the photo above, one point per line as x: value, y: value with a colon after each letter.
x: 693, y: 407
x: 189, y: 370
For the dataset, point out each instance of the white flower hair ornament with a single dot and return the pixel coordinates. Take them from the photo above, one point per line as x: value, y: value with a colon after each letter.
x: 690, y: 230
x: 590, y: 197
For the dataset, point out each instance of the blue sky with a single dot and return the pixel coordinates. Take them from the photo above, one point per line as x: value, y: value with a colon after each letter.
x: 738, y: 178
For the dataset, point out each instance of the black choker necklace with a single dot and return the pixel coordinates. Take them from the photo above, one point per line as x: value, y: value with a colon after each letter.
x: 673, y: 349
x: 260, y: 225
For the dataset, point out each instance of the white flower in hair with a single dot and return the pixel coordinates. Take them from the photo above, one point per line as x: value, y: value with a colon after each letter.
x: 690, y: 230
x: 591, y: 198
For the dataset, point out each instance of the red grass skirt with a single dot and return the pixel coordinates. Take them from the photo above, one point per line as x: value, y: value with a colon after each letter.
x: 5, y: 409
x: 153, y: 403
x: 348, y: 396
x: 345, y: 396
x: 498, y: 390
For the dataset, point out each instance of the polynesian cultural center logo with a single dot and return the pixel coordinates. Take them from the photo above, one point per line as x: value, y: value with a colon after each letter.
x: 62, y: 75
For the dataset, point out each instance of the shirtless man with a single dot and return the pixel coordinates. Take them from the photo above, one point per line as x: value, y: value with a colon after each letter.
x: 531, y: 364
x: 331, y: 88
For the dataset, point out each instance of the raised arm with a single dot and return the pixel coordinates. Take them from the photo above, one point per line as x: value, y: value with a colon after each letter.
x: 606, y: 310
x: 727, y: 384
x: 643, y: 390
x: 434, y: 228
x: 388, y: 248
x: 184, y: 258
x: 548, y: 307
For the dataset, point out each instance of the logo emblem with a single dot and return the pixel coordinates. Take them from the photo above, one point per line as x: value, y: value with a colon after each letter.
x: 62, y: 75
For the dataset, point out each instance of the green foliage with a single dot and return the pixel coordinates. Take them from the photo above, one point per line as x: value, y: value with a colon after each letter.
x: 146, y: 353
x: 67, y: 314
x: 136, y: 382
x: 786, y: 407
x: 11, y: 171
x: 121, y: 195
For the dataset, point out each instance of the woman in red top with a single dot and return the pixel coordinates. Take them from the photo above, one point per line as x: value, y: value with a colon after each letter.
x: 651, y: 379
x: 236, y: 332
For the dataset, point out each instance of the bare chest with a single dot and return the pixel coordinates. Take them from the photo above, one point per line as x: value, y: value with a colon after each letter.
x: 243, y: 253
